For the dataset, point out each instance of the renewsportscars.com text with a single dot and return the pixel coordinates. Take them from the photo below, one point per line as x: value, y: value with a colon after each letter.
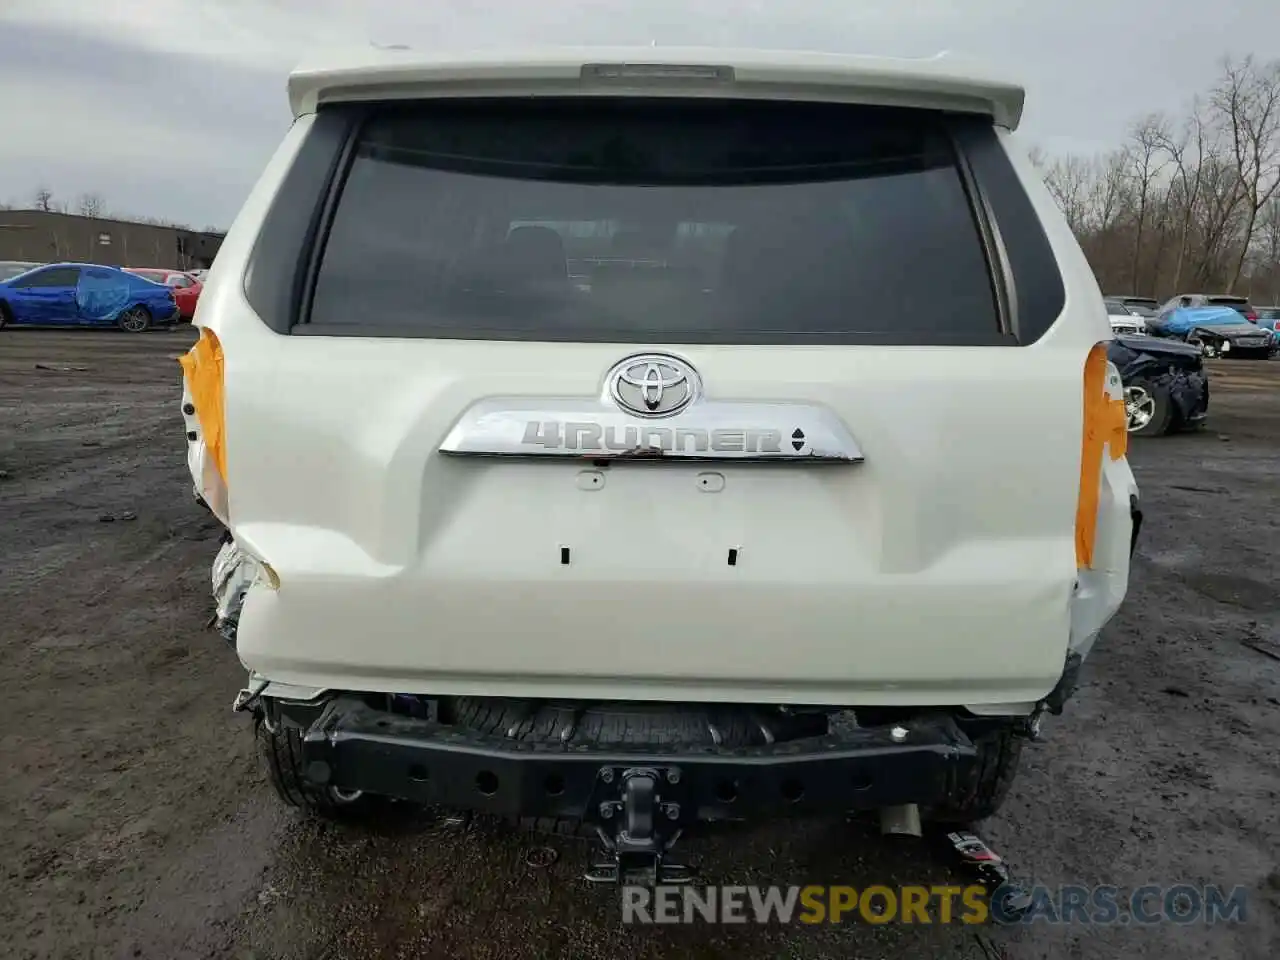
x: 974, y: 904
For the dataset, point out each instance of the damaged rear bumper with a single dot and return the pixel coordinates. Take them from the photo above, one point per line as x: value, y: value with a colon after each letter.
x: 352, y: 746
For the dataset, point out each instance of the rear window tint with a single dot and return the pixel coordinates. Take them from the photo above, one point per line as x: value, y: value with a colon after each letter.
x: 644, y: 221
x: 1235, y: 303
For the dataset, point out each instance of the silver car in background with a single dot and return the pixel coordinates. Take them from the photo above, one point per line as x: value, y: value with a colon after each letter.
x: 12, y: 268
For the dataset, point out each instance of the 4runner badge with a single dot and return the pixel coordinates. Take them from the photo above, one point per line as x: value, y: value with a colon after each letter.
x: 619, y: 422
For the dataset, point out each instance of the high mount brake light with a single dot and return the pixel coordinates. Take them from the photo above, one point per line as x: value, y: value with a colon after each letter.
x: 693, y: 73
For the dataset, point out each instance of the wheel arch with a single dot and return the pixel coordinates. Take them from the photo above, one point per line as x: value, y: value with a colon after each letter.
x: 1145, y: 366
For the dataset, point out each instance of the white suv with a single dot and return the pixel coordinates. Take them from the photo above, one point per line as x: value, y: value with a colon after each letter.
x: 640, y: 437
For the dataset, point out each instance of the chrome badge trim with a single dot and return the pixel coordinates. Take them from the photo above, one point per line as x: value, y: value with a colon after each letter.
x: 652, y: 406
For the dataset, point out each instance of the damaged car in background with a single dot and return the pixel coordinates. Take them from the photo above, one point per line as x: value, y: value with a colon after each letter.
x: 1166, y: 387
x: 1269, y: 319
x: 1218, y: 331
x: 84, y: 294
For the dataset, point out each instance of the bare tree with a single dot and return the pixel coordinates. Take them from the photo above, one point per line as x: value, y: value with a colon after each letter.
x: 1248, y: 96
x: 1162, y: 217
x: 1106, y: 196
x: 43, y: 199
x: 1146, y: 162
x: 1068, y: 179
x: 1217, y: 222
x: 1186, y: 203
x: 1188, y: 151
x: 1268, y: 252
x: 90, y: 205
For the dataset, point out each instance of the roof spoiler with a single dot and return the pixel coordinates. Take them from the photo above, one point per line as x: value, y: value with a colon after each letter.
x: 940, y: 82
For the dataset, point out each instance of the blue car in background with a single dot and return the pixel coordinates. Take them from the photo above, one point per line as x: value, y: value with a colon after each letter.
x: 87, y: 295
x: 1217, y: 331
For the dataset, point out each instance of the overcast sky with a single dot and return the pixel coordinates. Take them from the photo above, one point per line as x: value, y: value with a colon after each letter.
x: 170, y: 108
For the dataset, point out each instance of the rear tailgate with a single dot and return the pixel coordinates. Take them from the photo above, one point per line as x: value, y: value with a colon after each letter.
x: 942, y: 558
x: 444, y: 504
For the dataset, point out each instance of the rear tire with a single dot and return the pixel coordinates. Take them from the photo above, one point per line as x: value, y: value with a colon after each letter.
x: 983, y: 792
x: 4, y: 315
x: 134, y: 320
x: 608, y: 724
x: 280, y: 751
x: 1149, y: 404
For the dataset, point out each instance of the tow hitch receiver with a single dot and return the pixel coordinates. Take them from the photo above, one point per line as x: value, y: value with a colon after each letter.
x: 638, y: 822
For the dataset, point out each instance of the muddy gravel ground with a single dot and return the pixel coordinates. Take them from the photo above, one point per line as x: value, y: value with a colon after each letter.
x: 134, y: 821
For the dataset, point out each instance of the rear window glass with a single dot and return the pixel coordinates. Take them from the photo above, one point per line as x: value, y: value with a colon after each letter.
x: 643, y: 221
x: 1235, y: 303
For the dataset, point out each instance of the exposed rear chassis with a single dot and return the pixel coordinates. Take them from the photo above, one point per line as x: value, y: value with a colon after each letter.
x: 353, y: 746
x: 640, y: 798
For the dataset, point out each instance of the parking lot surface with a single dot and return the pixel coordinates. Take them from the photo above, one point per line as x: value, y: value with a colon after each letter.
x: 134, y: 821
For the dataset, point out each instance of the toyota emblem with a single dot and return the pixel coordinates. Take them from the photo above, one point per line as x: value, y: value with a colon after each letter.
x: 652, y: 385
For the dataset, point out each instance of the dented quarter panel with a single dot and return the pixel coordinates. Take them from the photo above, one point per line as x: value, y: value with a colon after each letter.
x: 234, y: 572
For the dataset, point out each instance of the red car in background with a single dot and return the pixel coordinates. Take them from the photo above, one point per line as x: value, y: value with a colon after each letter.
x: 186, y: 288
